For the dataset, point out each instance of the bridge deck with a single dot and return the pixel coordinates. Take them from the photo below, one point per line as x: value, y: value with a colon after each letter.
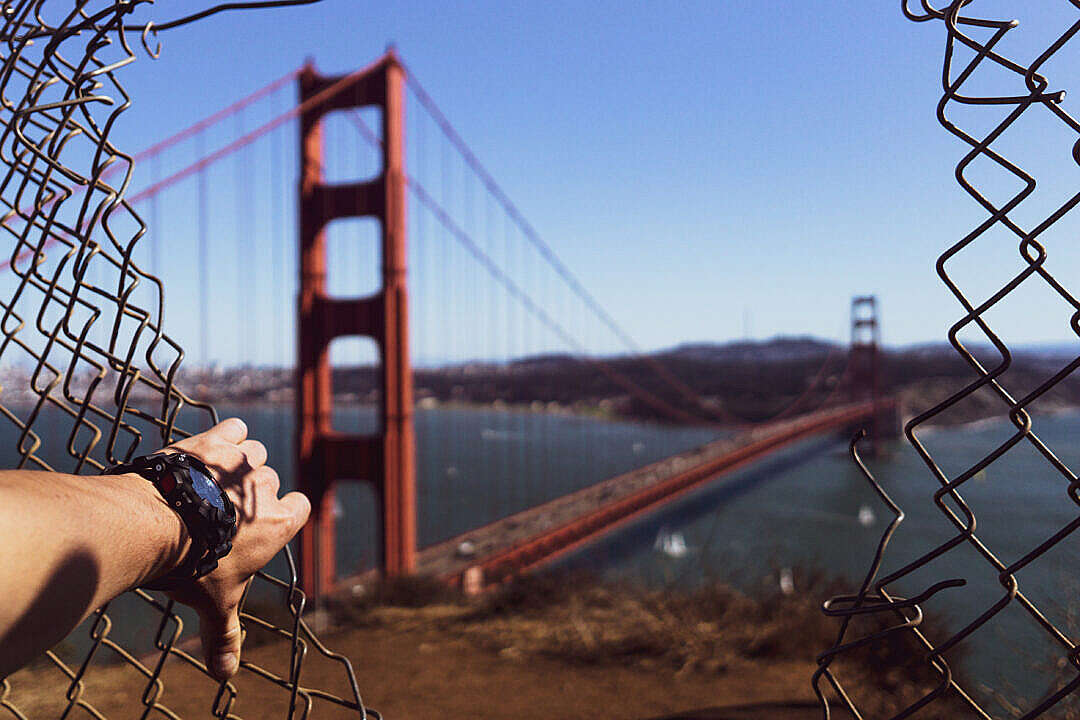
x: 543, y: 533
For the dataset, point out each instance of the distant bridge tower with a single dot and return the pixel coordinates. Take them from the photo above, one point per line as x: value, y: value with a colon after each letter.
x: 865, y: 336
x: 864, y: 366
x: 324, y: 456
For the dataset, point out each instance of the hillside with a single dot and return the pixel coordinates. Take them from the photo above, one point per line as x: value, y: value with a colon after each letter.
x: 742, y: 380
x: 701, y: 382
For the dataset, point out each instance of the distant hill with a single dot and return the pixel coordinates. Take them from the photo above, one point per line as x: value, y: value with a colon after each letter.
x: 693, y: 382
x: 1042, y: 351
x: 776, y: 349
x: 751, y: 380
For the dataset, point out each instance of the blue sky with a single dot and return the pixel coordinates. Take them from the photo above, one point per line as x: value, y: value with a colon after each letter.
x: 708, y: 170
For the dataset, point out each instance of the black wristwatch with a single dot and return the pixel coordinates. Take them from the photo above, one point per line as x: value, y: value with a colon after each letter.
x: 190, y: 489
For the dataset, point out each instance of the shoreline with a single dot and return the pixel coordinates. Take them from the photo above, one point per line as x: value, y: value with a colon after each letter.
x: 961, y: 420
x: 594, y: 413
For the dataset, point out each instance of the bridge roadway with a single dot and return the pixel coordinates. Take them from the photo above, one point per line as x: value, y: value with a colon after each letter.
x: 546, y: 532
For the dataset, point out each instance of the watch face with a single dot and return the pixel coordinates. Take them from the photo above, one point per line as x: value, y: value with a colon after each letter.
x: 206, y: 488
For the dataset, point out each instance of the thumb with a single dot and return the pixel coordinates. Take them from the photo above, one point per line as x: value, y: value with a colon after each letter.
x: 221, y: 635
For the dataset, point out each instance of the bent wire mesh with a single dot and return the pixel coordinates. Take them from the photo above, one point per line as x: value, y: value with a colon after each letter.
x: 70, y: 272
x: 988, y: 96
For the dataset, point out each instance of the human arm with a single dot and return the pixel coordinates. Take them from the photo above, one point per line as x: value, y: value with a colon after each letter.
x: 69, y: 544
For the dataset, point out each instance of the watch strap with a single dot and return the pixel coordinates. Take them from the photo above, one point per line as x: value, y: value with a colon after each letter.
x: 201, y: 558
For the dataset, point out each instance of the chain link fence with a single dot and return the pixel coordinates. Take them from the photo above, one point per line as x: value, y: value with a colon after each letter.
x: 975, y: 59
x: 83, y: 319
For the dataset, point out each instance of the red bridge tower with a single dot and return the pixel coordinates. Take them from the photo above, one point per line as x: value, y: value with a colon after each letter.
x: 865, y: 336
x: 865, y: 370
x: 325, y: 456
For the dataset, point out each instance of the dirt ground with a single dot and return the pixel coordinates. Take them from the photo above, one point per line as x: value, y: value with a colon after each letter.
x: 425, y: 672
x: 541, y: 648
x: 419, y: 674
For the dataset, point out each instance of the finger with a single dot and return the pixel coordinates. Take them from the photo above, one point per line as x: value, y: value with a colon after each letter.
x: 221, y: 635
x: 226, y: 461
x: 268, y: 479
x: 188, y: 444
x: 299, y: 507
x: 233, y: 430
x: 254, y: 451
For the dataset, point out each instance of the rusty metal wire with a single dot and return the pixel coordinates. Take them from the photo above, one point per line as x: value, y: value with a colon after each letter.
x: 977, y: 39
x: 82, y: 321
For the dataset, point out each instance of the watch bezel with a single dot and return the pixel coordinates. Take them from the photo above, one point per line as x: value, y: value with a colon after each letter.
x: 211, y: 528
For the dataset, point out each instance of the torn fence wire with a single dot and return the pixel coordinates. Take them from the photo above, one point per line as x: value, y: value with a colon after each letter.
x: 83, y: 318
x: 973, y: 61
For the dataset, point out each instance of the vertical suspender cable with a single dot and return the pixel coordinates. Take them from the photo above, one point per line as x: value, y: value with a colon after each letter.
x: 278, y: 288
x: 499, y: 444
x: 253, y: 255
x: 522, y: 471
x: 430, y: 526
x: 500, y: 475
x: 156, y: 227
x: 244, y: 265
x: 452, y: 448
x: 202, y: 287
x: 541, y: 345
x: 449, y: 299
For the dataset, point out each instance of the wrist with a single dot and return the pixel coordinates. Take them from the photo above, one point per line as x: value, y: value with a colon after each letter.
x: 168, y: 535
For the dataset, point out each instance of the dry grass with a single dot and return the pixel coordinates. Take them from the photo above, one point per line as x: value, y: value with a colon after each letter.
x: 713, y: 629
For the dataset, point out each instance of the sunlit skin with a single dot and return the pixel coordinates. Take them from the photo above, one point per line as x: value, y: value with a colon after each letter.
x: 72, y: 543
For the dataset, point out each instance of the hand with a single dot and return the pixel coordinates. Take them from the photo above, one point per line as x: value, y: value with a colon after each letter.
x: 265, y: 523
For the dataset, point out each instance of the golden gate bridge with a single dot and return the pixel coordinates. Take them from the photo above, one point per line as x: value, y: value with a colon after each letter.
x: 285, y: 208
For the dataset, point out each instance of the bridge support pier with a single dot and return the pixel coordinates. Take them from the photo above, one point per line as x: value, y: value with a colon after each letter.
x: 325, y: 456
